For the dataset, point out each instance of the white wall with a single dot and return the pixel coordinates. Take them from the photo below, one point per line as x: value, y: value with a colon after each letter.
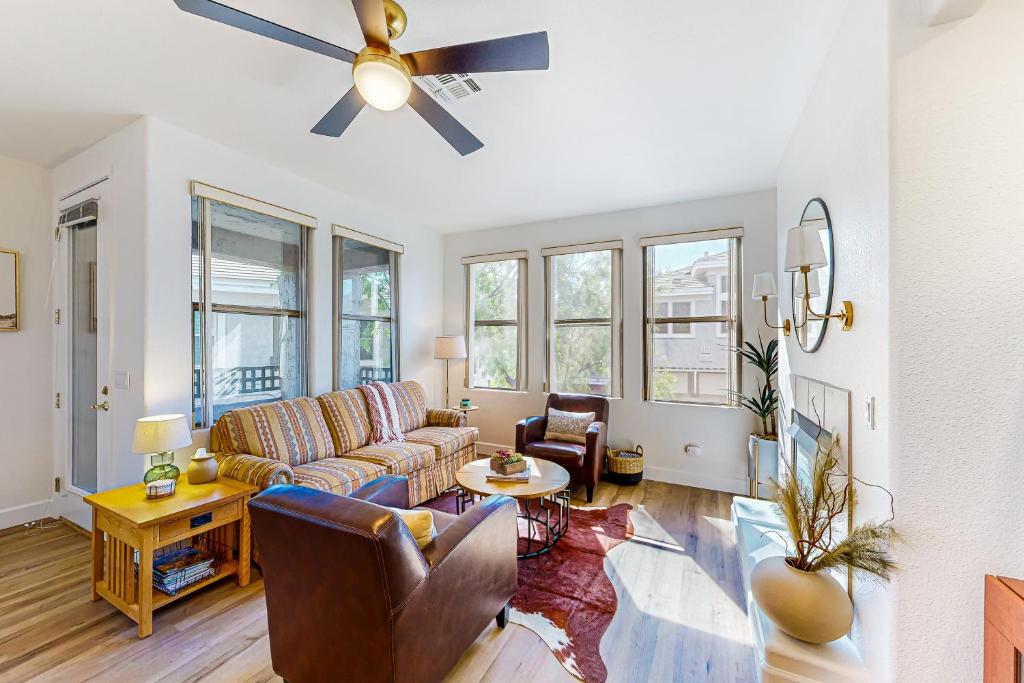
x: 150, y: 164
x: 957, y: 277
x: 25, y: 355
x: 663, y: 429
x: 839, y: 151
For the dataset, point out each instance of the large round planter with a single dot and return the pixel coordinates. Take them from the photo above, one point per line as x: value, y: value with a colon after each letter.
x: 762, y: 465
x: 810, y: 606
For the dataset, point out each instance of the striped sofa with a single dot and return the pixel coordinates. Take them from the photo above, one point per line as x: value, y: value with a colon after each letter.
x: 324, y: 443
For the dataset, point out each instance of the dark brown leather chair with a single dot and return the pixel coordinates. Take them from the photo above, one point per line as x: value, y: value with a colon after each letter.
x: 583, y: 461
x: 351, y: 597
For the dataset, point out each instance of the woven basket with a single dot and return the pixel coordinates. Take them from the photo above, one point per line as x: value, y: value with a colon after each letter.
x: 627, y: 471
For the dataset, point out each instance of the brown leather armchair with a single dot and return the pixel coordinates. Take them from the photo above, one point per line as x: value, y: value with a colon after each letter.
x: 350, y: 595
x: 583, y: 461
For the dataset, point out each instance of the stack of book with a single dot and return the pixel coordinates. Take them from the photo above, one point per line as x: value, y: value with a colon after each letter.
x: 180, y: 569
x: 518, y: 477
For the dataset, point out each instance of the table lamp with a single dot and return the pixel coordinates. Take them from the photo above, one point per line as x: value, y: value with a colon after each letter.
x: 448, y: 349
x: 159, y: 435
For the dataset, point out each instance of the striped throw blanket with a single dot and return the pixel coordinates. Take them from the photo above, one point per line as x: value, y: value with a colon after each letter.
x: 384, y: 422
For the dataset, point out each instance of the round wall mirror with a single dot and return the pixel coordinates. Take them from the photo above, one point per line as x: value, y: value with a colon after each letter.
x: 809, y: 335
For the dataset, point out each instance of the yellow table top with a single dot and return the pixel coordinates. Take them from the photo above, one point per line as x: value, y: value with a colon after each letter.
x: 130, y: 502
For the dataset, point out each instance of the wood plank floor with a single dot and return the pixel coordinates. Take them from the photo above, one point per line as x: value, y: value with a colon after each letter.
x: 680, y: 614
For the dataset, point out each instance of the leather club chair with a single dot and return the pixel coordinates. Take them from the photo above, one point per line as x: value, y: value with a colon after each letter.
x: 351, y: 597
x: 582, y: 461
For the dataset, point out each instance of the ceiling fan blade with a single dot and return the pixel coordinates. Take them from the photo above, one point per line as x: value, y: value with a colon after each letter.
x: 335, y: 121
x: 209, y: 9
x: 444, y: 123
x: 525, y: 52
x: 370, y: 14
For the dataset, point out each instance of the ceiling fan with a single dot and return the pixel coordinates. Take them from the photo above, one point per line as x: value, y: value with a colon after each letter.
x: 383, y: 76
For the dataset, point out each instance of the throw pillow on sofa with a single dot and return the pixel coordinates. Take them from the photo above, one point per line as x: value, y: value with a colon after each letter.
x: 566, y: 426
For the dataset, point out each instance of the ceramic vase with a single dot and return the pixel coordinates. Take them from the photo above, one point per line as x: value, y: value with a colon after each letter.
x: 810, y: 606
x: 202, y: 469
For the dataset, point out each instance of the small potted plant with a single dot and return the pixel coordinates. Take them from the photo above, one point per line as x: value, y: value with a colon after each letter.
x: 763, y: 446
x: 797, y: 591
x: 507, y: 462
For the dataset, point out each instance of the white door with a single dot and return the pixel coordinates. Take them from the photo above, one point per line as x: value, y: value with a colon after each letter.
x: 84, y: 404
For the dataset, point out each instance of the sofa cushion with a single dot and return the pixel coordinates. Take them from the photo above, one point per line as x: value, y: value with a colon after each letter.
x: 292, y: 431
x: 399, y: 457
x: 561, y: 452
x: 337, y: 475
x: 444, y: 440
x: 347, y: 418
x: 442, y: 520
x: 412, y: 405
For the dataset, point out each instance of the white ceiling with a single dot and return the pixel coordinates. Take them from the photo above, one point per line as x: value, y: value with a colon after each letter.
x: 687, y: 99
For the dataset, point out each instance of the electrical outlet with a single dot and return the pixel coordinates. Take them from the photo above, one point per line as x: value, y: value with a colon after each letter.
x: 693, y: 450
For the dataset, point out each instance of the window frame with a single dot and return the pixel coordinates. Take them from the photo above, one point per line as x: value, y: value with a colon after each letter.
x: 614, y: 322
x: 395, y: 252
x: 522, y: 310
x: 203, y: 195
x: 735, y: 276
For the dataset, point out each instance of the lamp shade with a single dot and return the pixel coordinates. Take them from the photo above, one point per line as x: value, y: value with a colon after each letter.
x: 764, y: 285
x: 160, y: 433
x: 803, y: 249
x: 450, y: 347
x: 813, y: 283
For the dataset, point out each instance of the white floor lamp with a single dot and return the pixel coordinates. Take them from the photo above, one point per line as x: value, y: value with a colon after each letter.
x: 449, y: 349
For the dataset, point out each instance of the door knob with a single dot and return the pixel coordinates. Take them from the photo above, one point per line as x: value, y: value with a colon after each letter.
x: 101, y: 406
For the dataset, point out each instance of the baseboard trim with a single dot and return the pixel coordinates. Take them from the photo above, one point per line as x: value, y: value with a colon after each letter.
x: 698, y: 480
x: 21, y: 514
x: 485, y: 448
x: 667, y: 475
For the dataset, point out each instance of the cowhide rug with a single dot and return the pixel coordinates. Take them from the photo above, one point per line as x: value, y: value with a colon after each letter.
x: 564, y: 596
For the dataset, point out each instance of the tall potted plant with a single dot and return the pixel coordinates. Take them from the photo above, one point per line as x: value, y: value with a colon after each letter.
x: 797, y: 591
x: 763, y: 447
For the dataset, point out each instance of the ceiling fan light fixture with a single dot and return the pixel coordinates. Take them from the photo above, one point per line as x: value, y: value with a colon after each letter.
x: 382, y: 78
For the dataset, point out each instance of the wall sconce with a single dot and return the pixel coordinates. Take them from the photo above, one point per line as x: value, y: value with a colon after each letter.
x: 804, y: 254
x: 764, y: 288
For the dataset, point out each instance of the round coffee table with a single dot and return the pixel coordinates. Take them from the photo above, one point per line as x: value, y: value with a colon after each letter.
x: 543, y: 501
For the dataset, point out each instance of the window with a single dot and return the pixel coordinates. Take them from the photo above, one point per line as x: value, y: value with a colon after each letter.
x: 584, y: 331
x: 496, y: 321
x: 248, y: 302
x: 366, y: 303
x: 690, y: 286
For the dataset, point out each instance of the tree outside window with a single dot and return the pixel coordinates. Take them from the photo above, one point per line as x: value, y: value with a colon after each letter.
x: 496, y: 304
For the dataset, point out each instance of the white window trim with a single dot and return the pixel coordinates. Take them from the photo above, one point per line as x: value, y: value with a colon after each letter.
x: 340, y: 233
x: 615, y: 247
x: 200, y: 189
x: 522, y: 312
x: 366, y: 238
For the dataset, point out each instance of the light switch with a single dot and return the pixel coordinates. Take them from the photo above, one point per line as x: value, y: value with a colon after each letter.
x: 122, y: 379
x: 869, y: 412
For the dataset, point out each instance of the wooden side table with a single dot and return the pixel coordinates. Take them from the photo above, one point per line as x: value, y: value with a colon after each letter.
x: 125, y: 521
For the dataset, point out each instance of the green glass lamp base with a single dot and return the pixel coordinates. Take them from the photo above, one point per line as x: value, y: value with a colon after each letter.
x: 162, y: 468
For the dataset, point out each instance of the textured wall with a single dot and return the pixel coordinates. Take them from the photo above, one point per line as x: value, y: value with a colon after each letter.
x: 958, y: 319
x: 839, y: 151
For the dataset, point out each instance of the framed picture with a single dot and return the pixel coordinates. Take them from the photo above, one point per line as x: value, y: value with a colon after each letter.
x: 10, y: 320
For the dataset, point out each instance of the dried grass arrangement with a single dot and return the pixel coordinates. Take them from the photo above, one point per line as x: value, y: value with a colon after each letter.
x: 811, y: 511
